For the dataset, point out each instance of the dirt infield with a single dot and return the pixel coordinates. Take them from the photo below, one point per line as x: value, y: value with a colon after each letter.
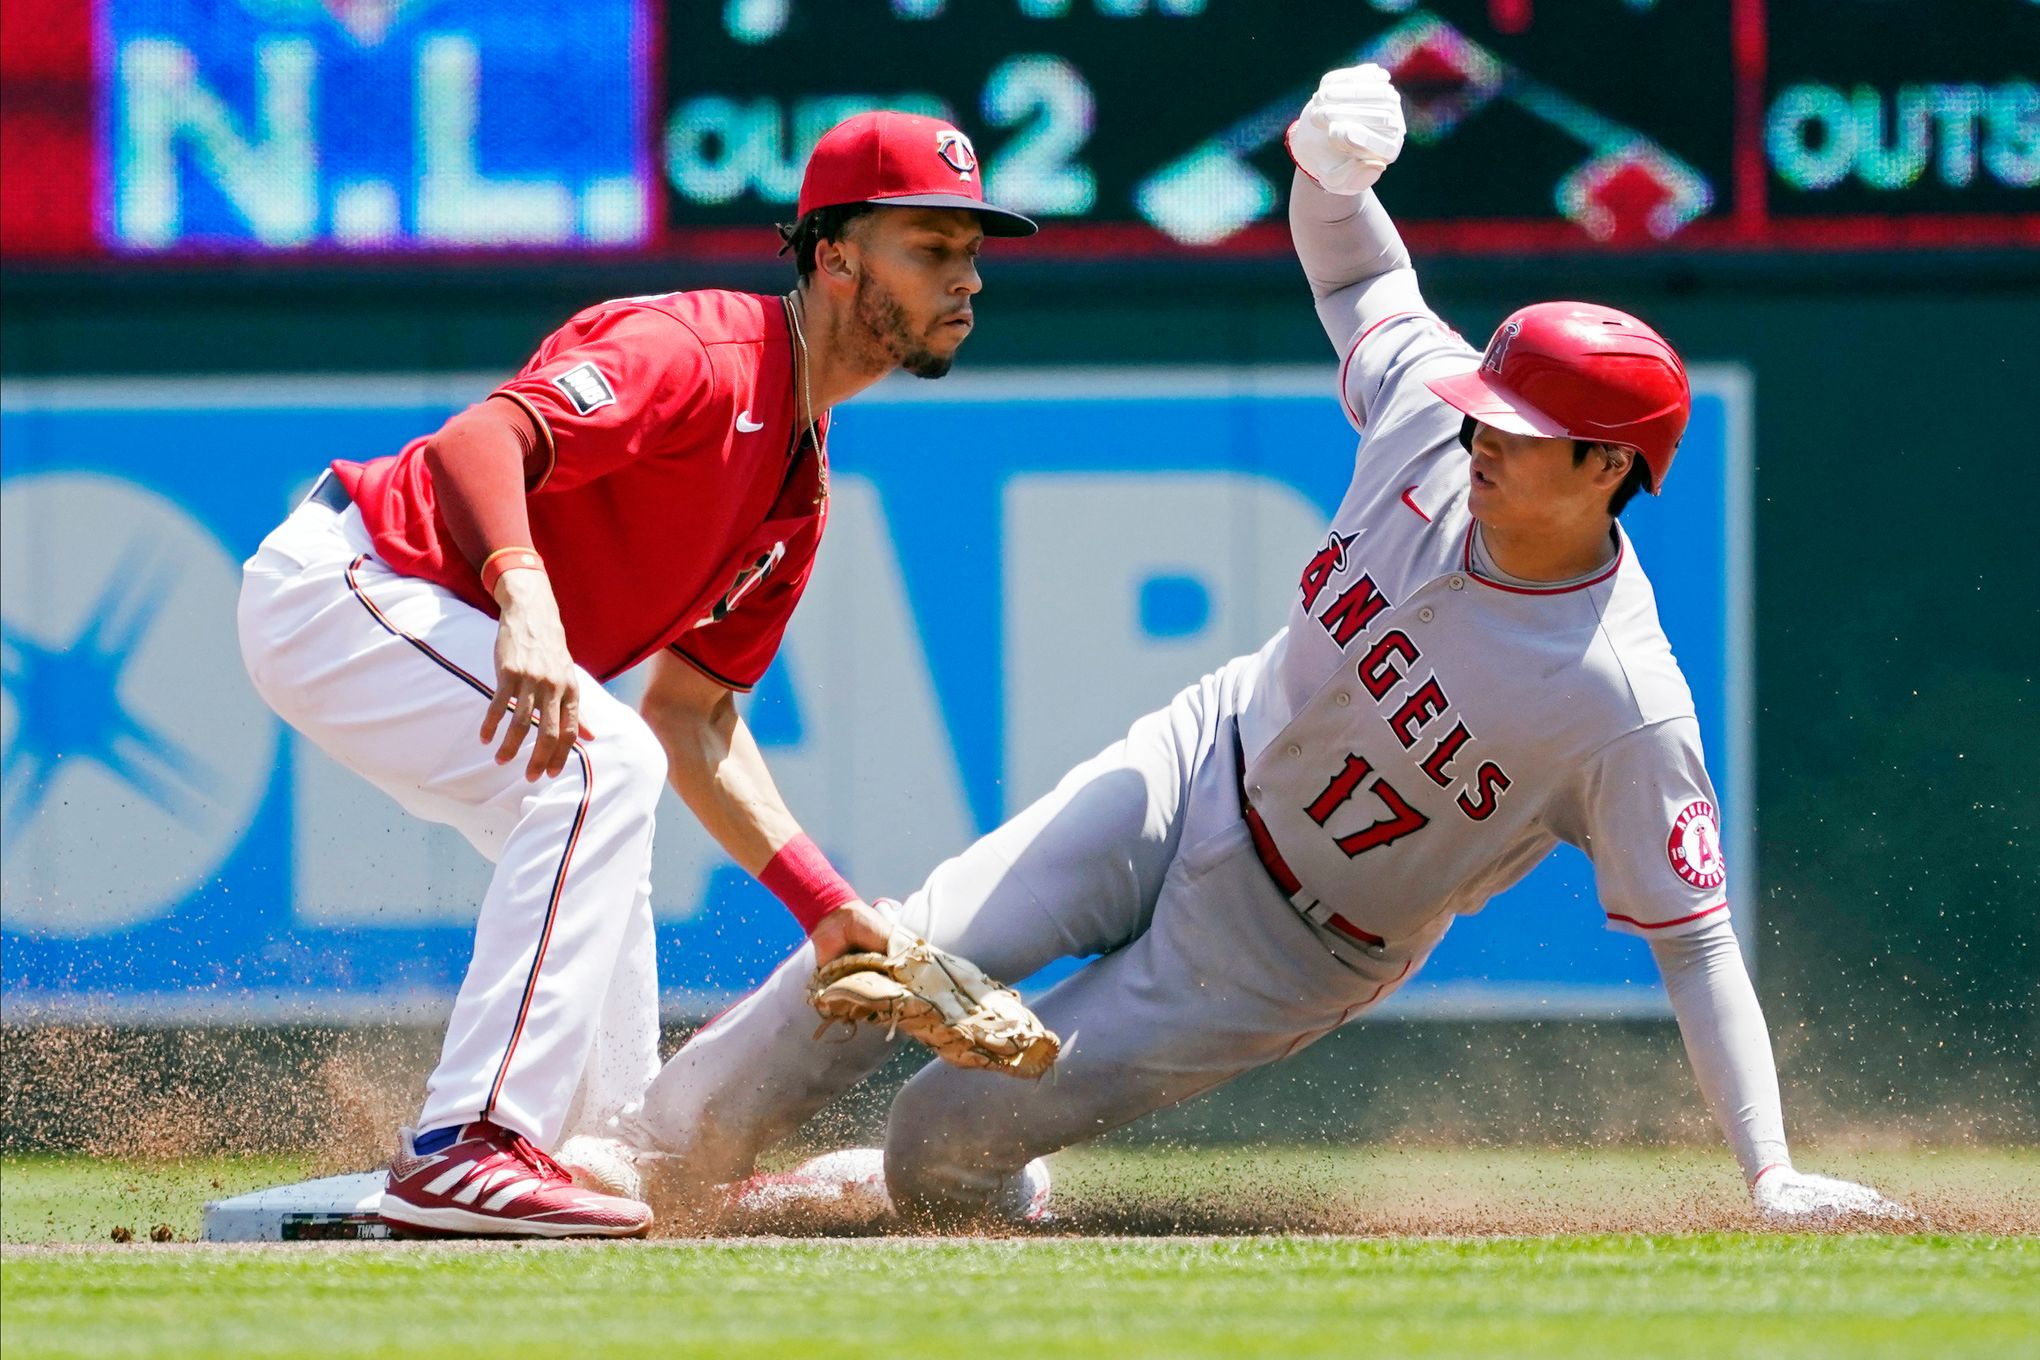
x: 340, y: 1093
x: 1375, y: 1191
x: 160, y: 1095
x: 1107, y: 1192
x: 161, y: 1121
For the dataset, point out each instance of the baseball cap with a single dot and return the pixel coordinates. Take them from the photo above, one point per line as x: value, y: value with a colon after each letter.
x: 901, y: 160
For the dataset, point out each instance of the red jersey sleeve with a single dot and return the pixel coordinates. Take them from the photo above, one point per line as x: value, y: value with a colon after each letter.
x: 609, y: 387
x: 735, y: 650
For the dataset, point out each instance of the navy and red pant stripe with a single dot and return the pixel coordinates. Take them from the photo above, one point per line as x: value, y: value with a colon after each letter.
x: 559, y: 882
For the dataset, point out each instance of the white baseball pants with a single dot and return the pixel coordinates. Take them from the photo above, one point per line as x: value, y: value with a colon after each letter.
x: 555, y: 1028
x: 1139, y: 856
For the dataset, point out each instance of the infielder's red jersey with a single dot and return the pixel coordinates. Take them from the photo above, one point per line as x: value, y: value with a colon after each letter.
x: 679, y: 508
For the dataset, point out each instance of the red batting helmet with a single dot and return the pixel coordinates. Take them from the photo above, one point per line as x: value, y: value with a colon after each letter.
x: 1577, y: 370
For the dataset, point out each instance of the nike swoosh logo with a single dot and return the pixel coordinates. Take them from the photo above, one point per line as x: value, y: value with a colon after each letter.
x: 1413, y: 505
x: 746, y: 425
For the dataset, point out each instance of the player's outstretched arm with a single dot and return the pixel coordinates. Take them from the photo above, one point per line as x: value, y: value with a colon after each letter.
x: 481, y: 461
x: 1346, y: 136
x: 719, y: 772
x: 1723, y: 1026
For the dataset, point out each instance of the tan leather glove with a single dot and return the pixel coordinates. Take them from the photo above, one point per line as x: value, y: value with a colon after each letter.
x: 942, y: 1000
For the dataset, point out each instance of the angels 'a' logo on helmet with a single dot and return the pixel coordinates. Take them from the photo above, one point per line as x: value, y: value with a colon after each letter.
x: 955, y: 149
x: 1499, y: 346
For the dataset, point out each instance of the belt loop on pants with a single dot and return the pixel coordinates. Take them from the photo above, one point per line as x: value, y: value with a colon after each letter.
x: 1311, y: 909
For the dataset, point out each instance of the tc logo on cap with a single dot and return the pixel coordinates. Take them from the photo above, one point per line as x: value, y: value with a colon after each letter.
x: 1499, y: 346
x: 955, y: 149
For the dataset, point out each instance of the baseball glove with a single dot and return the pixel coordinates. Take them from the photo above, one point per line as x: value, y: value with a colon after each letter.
x: 944, y: 1001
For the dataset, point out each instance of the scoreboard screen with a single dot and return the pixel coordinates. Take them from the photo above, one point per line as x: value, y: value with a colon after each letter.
x: 177, y: 129
x: 1156, y: 124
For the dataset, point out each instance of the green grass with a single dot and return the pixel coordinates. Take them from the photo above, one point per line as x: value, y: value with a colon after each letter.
x: 83, y: 1199
x: 1709, y: 1294
x: 1706, y: 1295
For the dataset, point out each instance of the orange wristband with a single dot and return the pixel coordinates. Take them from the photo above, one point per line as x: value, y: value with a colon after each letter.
x: 508, y: 559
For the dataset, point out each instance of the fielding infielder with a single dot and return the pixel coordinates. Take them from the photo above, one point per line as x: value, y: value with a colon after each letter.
x: 1472, y: 671
x: 652, y: 486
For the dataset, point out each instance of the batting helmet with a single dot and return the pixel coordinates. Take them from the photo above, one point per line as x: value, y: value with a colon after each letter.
x: 1576, y: 370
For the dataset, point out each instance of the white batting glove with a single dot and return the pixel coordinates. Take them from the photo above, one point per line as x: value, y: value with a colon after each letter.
x: 1791, y: 1198
x: 1349, y: 131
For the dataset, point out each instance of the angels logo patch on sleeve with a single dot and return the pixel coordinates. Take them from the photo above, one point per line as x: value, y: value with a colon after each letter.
x: 585, y: 386
x: 1694, y: 846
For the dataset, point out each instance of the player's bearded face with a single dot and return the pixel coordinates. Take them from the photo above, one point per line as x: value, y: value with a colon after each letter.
x: 895, y: 340
x: 916, y: 277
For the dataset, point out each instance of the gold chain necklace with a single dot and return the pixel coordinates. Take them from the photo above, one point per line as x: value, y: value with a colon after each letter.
x: 807, y: 388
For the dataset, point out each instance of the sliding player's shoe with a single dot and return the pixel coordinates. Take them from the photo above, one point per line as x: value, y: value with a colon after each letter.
x: 606, y: 1165
x: 847, y: 1189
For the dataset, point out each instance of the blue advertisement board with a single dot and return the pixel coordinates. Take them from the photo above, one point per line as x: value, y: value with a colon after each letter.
x: 1019, y: 563
x: 373, y: 125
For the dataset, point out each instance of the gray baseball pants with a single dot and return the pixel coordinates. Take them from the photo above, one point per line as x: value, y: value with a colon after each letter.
x: 1140, y: 857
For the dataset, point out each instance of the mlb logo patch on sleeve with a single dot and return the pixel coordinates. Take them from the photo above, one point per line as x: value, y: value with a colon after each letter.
x: 586, y: 388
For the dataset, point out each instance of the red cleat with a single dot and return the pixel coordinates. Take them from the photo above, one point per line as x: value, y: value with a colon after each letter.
x: 494, y: 1183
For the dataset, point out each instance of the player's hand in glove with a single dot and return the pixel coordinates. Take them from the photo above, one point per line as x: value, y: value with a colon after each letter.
x: 1350, y: 130
x: 944, y: 1001
x: 851, y: 928
x: 1794, y: 1198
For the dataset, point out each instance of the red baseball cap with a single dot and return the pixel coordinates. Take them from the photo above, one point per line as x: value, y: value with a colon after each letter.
x: 902, y: 160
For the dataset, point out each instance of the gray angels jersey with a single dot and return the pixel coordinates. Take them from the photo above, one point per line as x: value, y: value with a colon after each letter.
x: 1420, y: 735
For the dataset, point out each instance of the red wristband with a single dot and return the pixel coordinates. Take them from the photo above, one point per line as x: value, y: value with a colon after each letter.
x: 802, y: 877
x: 507, y: 560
